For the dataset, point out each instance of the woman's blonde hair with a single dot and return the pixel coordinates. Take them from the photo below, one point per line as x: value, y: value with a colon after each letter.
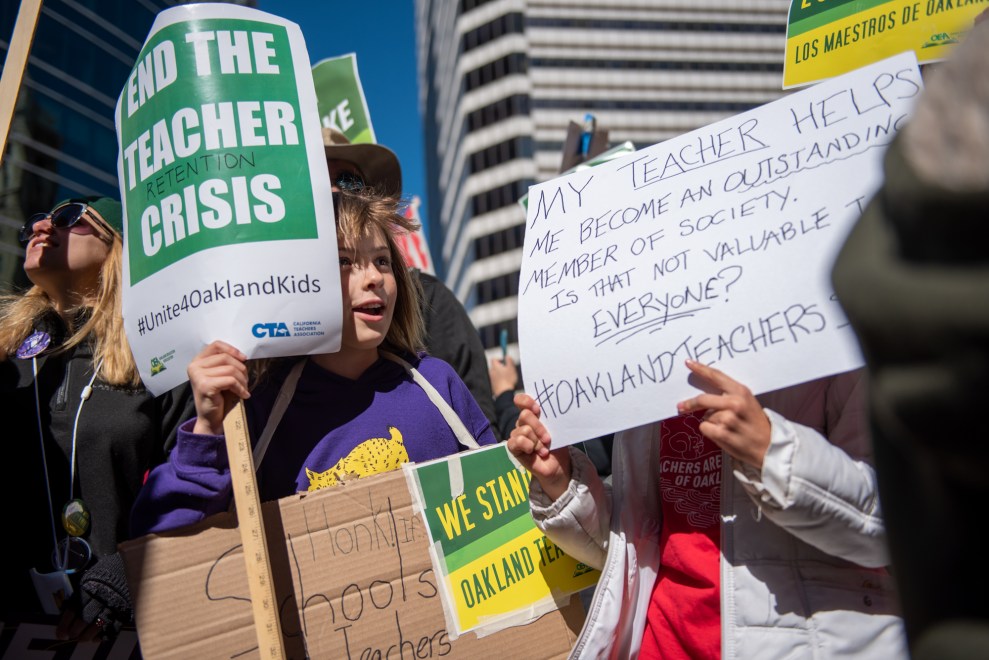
x: 103, y: 324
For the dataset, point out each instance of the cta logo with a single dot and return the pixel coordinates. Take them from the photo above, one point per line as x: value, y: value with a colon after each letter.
x: 940, y: 39
x: 270, y: 330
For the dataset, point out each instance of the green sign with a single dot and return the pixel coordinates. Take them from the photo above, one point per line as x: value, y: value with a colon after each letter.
x: 212, y: 149
x: 340, y: 98
x: 497, y: 569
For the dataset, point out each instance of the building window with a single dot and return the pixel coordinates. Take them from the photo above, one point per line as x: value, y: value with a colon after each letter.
x: 497, y: 288
x: 469, y: 5
x: 513, y: 23
x: 516, y: 105
x: 657, y: 26
x: 510, y: 64
x: 499, y: 197
x: 501, y: 241
x: 500, y: 153
x: 734, y: 107
x: 657, y: 65
x: 490, y: 334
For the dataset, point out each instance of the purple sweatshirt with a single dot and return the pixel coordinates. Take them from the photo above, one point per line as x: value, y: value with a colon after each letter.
x: 334, y: 429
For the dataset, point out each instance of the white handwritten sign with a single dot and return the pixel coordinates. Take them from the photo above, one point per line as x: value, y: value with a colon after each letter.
x: 715, y: 246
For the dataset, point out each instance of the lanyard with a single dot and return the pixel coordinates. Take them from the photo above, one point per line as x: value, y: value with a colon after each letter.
x: 75, y: 518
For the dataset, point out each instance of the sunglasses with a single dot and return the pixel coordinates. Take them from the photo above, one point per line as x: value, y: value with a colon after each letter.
x: 63, y: 217
x: 349, y: 181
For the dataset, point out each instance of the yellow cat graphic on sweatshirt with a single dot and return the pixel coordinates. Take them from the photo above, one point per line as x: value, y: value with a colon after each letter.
x: 370, y: 457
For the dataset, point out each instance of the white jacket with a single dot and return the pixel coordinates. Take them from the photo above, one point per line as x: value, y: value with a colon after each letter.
x: 803, y: 546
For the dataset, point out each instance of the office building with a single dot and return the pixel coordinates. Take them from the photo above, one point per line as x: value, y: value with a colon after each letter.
x: 500, y: 80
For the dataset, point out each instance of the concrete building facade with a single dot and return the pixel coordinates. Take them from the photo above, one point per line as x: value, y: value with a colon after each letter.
x: 500, y: 80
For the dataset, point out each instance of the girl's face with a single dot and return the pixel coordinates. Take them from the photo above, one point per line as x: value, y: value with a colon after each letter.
x: 369, y: 293
x: 70, y: 257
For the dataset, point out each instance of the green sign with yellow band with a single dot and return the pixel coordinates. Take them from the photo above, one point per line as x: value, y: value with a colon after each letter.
x: 497, y: 569
x: 826, y: 38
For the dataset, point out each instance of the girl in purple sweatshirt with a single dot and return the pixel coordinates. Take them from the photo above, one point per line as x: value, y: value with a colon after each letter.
x: 365, y: 409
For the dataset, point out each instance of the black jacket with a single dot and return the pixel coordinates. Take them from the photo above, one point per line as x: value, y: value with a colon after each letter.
x: 452, y: 337
x: 121, y: 434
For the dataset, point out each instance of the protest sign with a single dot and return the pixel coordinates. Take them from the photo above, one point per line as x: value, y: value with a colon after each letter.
x: 826, y: 39
x: 495, y: 569
x: 342, y: 106
x: 716, y: 246
x: 353, y: 579
x: 340, y: 97
x: 229, y: 230
x: 413, y: 245
x: 611, y: 154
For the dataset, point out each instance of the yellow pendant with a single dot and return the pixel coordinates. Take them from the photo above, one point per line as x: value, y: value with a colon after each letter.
x: 75, y: 517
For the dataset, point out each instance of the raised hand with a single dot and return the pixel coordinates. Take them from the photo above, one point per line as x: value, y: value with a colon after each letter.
x: 735, y: 420
x: 503, y: 375
x: 219, y: 377
x: 530, y: 444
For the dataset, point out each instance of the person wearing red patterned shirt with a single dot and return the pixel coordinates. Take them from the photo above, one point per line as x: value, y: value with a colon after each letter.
x: 744, y: 527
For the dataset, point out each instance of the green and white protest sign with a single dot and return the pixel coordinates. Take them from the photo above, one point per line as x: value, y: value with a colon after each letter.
x: 229, y: 227
x: 340, y: 98
x: 494, y: 567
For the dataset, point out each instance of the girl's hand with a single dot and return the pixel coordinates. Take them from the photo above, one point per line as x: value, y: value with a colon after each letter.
x: 530, y: 444
x: 219, y: 378
x: 735, y: 420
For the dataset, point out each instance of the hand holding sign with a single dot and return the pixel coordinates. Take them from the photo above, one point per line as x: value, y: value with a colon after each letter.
x: 530, y: 443
x: 219, y: 381
x: 734, y: 420
x: 227, y: 200
x: 714, y: 246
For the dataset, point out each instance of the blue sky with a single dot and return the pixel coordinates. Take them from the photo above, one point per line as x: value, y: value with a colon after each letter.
x: 382, y: 33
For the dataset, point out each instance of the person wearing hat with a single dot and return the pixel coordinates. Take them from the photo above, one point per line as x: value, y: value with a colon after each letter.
x: 81, y: 430
x: 450, y: 335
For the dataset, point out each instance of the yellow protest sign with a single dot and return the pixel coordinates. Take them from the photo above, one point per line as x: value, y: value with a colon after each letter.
x: 826, y: 38
x: 495, y: 569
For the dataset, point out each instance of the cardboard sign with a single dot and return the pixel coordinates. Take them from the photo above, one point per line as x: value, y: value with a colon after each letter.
x: 494, y: 567
x: 716, y: 246
x: 353, y: 580
x: 826, y: 39
x: 229, y: 231
x: 340, y: 97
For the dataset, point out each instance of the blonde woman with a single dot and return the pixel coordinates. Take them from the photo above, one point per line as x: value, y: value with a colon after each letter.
x: 373, y: 405
x: 81, y: 430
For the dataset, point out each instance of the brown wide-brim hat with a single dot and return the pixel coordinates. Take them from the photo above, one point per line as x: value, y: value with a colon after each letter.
x: 378, y: 164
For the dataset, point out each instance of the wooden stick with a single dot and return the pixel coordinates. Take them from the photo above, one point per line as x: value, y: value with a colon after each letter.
x: 14, y: 65
x: 248, y: 503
